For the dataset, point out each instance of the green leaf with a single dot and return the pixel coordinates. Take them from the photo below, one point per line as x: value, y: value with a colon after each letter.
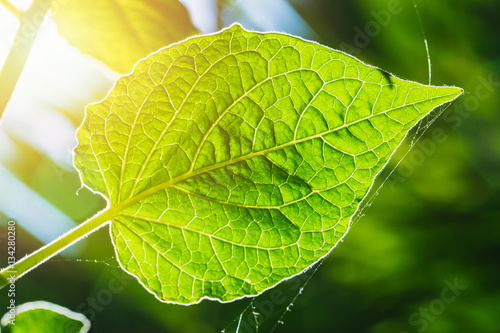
x: 43, y: 317
x: 236, y: 160
x: 121, y: 32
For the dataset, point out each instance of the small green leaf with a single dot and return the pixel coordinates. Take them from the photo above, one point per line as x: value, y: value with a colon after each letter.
x: 44, y: 317
x: 121, y: 32
x: 233, y: 161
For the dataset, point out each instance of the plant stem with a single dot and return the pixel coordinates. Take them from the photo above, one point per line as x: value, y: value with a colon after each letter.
x: 40, y: 256
x: 11, y: 8
x: 30, y: 22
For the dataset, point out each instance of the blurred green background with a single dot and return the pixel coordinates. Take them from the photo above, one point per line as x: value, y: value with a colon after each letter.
x: 434, y: 223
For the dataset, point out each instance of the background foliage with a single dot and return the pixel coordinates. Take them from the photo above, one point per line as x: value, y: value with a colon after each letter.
x: 434, y: 223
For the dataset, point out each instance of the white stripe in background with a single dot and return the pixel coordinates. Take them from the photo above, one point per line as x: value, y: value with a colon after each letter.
x: 203, y: 14
x: 275, y: 15
x: 57, y: 82
x: 30, y: 210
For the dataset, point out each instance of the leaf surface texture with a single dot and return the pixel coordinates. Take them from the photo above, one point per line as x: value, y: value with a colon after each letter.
x: 233, y: 161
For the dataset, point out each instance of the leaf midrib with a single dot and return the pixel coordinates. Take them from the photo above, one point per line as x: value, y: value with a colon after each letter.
x: 203, y: 233
x: 116, y: 209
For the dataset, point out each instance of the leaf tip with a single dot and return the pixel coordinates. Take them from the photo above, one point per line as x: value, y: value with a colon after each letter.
x: 457, y: 91
x: 450, y: 93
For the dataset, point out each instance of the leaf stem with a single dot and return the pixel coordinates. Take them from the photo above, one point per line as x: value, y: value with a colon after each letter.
x: 30, y: 22
x: 40, y: 256
x: 11, y: 8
